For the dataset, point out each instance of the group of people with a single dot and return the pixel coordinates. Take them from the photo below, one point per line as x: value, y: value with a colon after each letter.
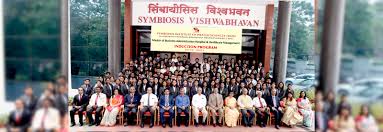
x: 338, y: 117
x: 224, y: 89
x: 48, y: 112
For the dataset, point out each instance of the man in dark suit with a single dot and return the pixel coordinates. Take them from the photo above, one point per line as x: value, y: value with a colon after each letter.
x: 144, y: 86
x: 88, y: 89
x: 19, y: 119
x: 223, y: 90
x: 166, y: 105
x: 29, y: 100
x: 273, y: 103
x: 61, y: 100
x: 156, y: 88
x: 125, y: 88
x: 80, y: 101
x: 252, y: 92
x: 194, y: 89
x: 108, y: 88
x: 131, y: 103
x: 173, y: 88
x: 233, y: 87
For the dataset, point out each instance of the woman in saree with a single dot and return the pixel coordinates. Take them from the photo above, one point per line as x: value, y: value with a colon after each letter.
x: 365, y: 122
x: 291, y: 115
x: 231, y: 111
x: 109, y: 118
x: 344, y: 122
x: 304, y: 108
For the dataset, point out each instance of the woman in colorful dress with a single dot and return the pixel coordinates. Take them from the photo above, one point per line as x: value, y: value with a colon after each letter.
x: 365, y: 122
x: 304, y: 107
x: 111, y: 112
x: 231, y: 111
x: 291, y: 115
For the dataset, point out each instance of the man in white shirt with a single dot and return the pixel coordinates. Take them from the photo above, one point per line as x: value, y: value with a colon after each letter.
x: 261, y: 109
x: 199, y: 105
x: 96, y: 103
x: 46, y: 118
x: 148, y: 103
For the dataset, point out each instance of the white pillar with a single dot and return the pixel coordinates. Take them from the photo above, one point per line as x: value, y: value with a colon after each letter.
x: 64, y: 37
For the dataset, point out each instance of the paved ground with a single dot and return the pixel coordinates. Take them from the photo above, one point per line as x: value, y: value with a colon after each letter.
x: 188, y: 129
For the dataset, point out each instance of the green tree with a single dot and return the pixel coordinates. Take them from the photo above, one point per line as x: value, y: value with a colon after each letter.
x: 301, y: 38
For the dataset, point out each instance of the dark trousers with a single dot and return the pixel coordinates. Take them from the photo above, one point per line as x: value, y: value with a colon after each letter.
x: 98, y: 110
x: 145, y: 109
x: 171, y: 114
x: 247, y: 120
x: 80, y: 115
x: 132, y: 111
x: 186, y: 112
x: 262, y: 117
x: 277, y: 116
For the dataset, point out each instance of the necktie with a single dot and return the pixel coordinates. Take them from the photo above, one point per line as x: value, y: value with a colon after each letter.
x: 148, y: 99
x: 111, y: 91
x: 95, y: 102
x: 260, y: 102
x: 79, y: 98
x: 43, y: 118
x: 18, y: 117
x: 167, y: 100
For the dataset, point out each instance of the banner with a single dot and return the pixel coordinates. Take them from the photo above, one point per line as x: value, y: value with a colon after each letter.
x: 245, y: 16
x: 196, y: 39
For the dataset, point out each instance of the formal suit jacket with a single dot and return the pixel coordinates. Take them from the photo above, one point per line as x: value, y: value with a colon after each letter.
x: 233, y: 88
x: 29, y: 102
x: 108, y: 90
x: 162, y: 101
x: 215, y: 102
x: 22, y: 123
x: 88, y: 89
x: 162, y: 90
x: 128, y: 99
x: 174, y: 90
x: 252, y: 93
x: 187, y: 92
x: 206, y: 92
x: 156, y: 90
x: 62, y: 103
x: 224, y: 92
x: 83, y: 102
x: 270, y: 102
x: 143, y: 88
x: 280, y: 93
x: 125, y: 89
x: 193, y: 91
x: 118, y: 86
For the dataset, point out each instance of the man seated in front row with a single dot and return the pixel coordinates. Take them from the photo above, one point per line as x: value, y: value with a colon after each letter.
x: 245, y: 105
x: 96, y: 103
x: 216, y: 105
x: 182, y: 103
x: 80, y: 101
x: 19, y: 119
x: 199, y: 105
x: 166, y: 105
x: 261, y: 109
x: 273, y: 103
x: 148, y: 103
x: 131, y: 103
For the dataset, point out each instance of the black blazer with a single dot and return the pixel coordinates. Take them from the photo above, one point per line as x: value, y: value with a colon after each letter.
x: 193, y: 91
x: 125, y: 89
x: 106, y: 90
x: 174, y: 91
x: 83, y: 102
x: 252, y: 93
x: 233, y: 88
x: 270, y: 101
x: 135, y: 101
x: 23, y: 123
x: 156, y: 91
x: 143, y: 88
x: 88, y: 90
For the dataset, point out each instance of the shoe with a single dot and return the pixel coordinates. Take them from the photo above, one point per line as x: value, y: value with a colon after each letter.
x: 126, y: 124
x: 170, y: 125
x: 203, y: 123
x: 277, y: 127
x: 187, y: 124
x: 72, y: 125
x: 264, y: 125
x: 97, y: 124
x: 151, y: 125
x: 178, y: 125
x: 142, y: 125
x: 196, y: 124
x: 90, y: 124
x: 214, y: 125
x: 163, y: 125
